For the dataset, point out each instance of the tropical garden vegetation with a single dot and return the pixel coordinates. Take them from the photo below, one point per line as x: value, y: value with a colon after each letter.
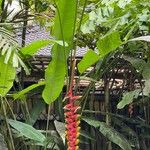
x: 116, y: 36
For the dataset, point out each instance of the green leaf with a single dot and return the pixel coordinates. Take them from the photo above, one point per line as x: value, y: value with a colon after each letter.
x: 146, y: 71
x: 2, y: 143
x: 54, y: 77
x: 8, y: 54
x: 146, y: 90
x: 136, y: 62
x: 91, y: 122
x: 127, y: 131
x: 4, y: 48
x: 28, y: 89
x: 89, y: 59
x: 15, y: 60
x: 64, y: 21
x: 38, y: 107
x: 109, y: 43
x: 36, y: 45
x: 123, y: 127
x: 141, y: 38
x: 23, y: 65
x: 89, y: 79
x: 64, y: 31
x: 85, y: 134
x: 27, y: 131
x: 109, y: 133
x: 1, y: 5
x: 128, y: 98
x: 60, y: 127
x: 7, y: 76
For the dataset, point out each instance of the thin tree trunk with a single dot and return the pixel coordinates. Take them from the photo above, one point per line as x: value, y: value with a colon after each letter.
x: 25, y: 23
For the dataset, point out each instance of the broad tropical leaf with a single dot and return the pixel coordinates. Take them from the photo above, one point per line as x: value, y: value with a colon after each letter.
x: 33, y: 47
x: 105, y: 45
x: 127, y: 130
x: 128, y: 98
x: 28, y: 89
x: 54, y: 77
x: 143, y: 67
x: 87, y: 135
x: 136, y: 62
x: 37, y: 109
x: 109, y: 133
x: 7, y: 76
x: 109, y: 43
x: 64, y: 31
x: 60, y: 127
x: 89, y: 59
x: 142, y: 38
x: 27, y: 131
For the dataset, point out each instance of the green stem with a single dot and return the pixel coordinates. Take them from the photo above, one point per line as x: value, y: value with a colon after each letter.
x: 73, y: 63
x: 107, y: 107
x: 13, y: 115
x: 7, y: 124
x: 27, y: 112
x: 47, y: 124
x: 78, y: 30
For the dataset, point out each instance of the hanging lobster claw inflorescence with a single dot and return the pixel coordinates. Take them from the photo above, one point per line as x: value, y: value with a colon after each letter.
x: 72, y: 119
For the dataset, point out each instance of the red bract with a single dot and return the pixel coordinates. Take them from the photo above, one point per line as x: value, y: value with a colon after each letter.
x: 72, y: 121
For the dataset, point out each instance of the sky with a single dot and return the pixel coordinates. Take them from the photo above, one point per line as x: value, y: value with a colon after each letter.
x: 15, y: 7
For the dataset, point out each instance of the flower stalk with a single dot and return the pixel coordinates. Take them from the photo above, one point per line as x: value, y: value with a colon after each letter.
x: 72, y: 119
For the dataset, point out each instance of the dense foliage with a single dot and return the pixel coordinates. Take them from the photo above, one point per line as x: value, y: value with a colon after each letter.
x: 116, y: 34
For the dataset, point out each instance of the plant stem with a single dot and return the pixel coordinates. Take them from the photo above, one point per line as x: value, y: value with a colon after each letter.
x: 47, y: 124
x: 73, y: 58
x: 78, y: 30
x: 13, y: 115
x: 107, y: 107
x: 25, y: 22
x: 8, y: 127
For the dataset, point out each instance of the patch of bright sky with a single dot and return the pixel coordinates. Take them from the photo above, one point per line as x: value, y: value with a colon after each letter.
x: 14, y: 7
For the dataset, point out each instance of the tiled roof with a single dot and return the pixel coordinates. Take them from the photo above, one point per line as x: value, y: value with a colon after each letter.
x: 37, y: 33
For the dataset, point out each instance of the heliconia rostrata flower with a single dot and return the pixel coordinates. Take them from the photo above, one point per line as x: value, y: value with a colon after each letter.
x: 72, y: 119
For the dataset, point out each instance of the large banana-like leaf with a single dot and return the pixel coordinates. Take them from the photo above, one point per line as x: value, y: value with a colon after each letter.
x: 110, y: 133
x: 89, y: 59
x: 27, y: 130
x: 33, y: 47
x: 109, y: 43
x: 106, y: 44
x: 7, y: 76
x: 28, y: 89
x: 128, y: 98
x: 64, y: 31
